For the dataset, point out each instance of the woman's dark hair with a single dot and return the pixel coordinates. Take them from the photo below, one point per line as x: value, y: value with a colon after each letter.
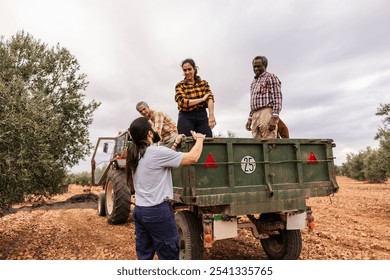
x: 138, y: 130
x: 192, y: 62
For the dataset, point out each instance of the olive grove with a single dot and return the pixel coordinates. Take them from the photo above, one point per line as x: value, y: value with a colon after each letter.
x: 372, y: 165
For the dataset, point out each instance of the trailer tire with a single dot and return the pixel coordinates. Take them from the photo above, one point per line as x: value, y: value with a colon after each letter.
x: 118, y: 198
x: 285, y: 246
x: 101, y: 204
x: 190, y: 241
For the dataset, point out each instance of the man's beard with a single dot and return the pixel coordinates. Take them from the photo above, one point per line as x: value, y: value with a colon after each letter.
x: 156, y: 137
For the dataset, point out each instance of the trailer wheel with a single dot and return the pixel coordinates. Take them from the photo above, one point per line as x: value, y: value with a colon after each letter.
x: 118, y: 198
x: 284, y: 246
x: 101, y: 204
x: 190, y: 241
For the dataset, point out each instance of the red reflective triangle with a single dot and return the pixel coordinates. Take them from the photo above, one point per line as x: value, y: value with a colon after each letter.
x: 312, y: 158
x: 210, y: 162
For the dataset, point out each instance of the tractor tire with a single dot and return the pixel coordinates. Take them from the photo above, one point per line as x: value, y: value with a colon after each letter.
x: 285, y: 246
x: 190, y: 241
x: 118, y: 198
x: 101, y: 204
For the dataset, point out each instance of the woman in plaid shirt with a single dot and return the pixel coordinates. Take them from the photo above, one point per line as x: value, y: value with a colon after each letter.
x: 193, y: 96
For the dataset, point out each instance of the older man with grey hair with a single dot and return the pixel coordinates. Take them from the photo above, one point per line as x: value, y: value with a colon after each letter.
x: 162, y: 123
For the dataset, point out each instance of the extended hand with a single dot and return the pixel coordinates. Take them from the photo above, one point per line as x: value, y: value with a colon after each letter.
x: 196, y: 135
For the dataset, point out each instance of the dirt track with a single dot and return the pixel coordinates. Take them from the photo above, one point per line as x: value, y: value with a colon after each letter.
x: 353, y: 225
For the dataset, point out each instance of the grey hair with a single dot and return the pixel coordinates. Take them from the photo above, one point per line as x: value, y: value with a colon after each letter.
x: 141, y: 103
x: 263, y: 59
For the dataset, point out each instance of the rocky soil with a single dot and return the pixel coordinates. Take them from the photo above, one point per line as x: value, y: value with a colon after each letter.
x: 354, y: 224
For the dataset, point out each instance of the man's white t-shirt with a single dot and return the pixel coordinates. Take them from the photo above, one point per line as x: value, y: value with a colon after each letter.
x: 153, y: 176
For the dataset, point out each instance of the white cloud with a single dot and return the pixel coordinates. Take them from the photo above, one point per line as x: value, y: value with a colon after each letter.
x: 364, y: 82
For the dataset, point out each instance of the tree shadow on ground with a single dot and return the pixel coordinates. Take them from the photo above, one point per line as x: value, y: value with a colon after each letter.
x: 82, y: 201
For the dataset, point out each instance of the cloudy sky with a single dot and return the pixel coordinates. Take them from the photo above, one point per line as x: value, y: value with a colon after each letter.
x: 333, y: 58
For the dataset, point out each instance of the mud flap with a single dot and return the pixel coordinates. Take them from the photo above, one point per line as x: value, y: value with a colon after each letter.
x: 296, y: 220
x: 225, y: 229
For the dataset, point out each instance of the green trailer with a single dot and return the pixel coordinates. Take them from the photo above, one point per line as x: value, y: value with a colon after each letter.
x: 238, y: 183
x: 261, y: 185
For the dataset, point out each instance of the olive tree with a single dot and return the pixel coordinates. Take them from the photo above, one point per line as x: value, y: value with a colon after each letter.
x: 44, y: 118
x: 374, y: 164
x: 383, y: 136
x: 354, y: 167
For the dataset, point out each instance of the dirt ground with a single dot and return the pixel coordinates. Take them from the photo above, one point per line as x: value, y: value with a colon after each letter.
x: 354, y: 224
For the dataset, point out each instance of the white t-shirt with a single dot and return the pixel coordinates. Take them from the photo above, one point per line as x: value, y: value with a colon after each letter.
x: 153, y: 176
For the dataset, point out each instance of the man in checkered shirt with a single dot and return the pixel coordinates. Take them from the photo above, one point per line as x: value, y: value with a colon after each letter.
x: 265, y: 101
x: 163, y: 124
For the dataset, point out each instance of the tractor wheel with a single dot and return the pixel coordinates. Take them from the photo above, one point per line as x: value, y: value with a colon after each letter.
x: 118, y: 198
x: 101, y: 204
x: 190, y: 241
x: 284, y: 246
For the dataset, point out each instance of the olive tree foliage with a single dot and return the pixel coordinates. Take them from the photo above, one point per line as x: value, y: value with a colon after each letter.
x: 368, y: 165
x: 372, y: 165
x: 83, y: 178
x: 383, y: 136
x: 354, y: 166
x: 43, y: 117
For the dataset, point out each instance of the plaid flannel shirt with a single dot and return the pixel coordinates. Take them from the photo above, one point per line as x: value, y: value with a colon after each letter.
x: 163, y: 124
x: 266, y: 93
x: 185, y: 92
